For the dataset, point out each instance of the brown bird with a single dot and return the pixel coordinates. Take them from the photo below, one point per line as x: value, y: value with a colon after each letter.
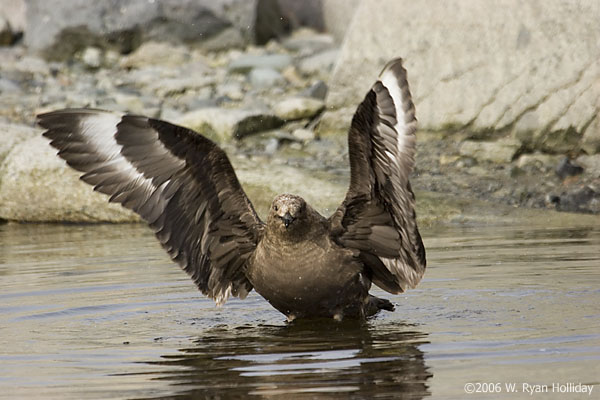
x: 304, y: 264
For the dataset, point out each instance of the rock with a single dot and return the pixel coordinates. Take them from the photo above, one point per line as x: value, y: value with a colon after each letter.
x: 122, y: 24
x: 156, y: 54
x: 539, y: 161
x: 323, y: 191
x: 291, y: 75
x: 304, y: 135
x: 447, y: 159
x: 125, y: 24
x: 265, y: 78
x: 223, y: 124
x: 336, y: 121
x: 317, y: 90
x: 591, y: 164
x: 176, y: 86
x: 488, y: 67
x: 130, y: 103
x: 92, y: 57
x: 271, y: 146
x: 591, y: 138
x: 557, y: 141
x: 232, y: 90
x: 501, y: 151
x: 338, y: 16
x: 297, y: 108
x: 9, y: 86
x: 321, y: 63
x: 247, y: 62
x: 566, y: 168
x: 13, y: 134
x: 268, y: 11
x: 32, y: 64
x: 36, y: 186
x: 581, y: 198
x: 478, y: 171
x: 228, y: 38
x: 302, y: 13
x: 306, y: 42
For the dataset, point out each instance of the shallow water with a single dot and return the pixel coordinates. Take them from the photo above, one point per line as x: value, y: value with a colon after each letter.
x: 100, y: 312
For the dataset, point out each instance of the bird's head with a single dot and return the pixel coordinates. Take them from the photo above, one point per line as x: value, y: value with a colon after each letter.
x: 287, y: 213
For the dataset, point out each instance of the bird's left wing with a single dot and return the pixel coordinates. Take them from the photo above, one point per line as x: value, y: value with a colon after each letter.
x: 377, y: 217
x: 178, y: 181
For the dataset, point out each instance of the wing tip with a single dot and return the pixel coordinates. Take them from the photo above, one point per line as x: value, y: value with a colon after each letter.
x: 394, y: 78
x: 46, y: 118
x: 396, y: 66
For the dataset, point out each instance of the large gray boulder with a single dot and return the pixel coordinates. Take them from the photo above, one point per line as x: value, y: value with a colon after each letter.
x: 59, y: 28
x: 337, y: 15
x: 37, y: 186
x: 225, y: 124
x: 528, y: 67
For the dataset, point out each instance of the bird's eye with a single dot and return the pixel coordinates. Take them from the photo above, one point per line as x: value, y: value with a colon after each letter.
x: 275, y: 208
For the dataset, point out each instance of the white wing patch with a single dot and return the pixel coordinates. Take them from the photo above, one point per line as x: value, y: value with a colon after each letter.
x: 393, y: 79
x: 389, y: 80
x: 100, y: 129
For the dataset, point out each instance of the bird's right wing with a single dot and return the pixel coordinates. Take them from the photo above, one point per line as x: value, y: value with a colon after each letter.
x: 180, y: 182
x: 377, y: 217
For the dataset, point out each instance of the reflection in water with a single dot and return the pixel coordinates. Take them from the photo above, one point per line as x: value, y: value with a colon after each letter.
x: 89, y: 311
x: 322, y: 358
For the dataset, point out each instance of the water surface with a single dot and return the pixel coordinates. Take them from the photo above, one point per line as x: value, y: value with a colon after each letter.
x: 99, y: 311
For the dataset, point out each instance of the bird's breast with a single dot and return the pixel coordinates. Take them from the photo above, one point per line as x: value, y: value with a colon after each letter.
x: 306, y: 277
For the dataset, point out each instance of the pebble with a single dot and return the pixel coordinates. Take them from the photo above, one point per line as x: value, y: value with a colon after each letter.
x: 590, y: 142
x: 232, y: 90
x: 92, y: 57
x: 307, y: 41
x: 591, y: 164
x: 271, y: 146
x: 156, y: 54
x: 582, y: 198
x: 304, y: 135
x: 319, y: 63
x: 566, y: 168
x: 297, y: 108
x: 8, y: 86
x: 224, y: 124
x: 265, y: 78
x: 131, y: 103
x: 539, y: 161
x: 500, y: 151
x: 558, y: 142
x: 247, y: 62
x: 317, y: 90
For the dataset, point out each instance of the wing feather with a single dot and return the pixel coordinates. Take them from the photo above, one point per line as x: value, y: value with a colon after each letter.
x: 377, y: 217
x: 180, y: 182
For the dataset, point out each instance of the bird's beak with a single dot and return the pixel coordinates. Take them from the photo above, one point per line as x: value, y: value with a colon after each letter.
x: 287, y: 219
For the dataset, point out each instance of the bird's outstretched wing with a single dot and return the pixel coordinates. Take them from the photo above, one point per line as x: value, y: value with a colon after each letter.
x: 180, y: 182
x: 377, y: 217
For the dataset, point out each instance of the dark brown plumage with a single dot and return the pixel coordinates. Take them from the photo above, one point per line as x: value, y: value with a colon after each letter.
x: 304, y: 264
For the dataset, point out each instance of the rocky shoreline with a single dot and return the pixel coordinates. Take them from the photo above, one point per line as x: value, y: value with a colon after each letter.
x: 263, y: 105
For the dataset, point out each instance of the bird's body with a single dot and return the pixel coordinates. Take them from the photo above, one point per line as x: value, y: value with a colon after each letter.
x: 304, y: 264
x: 294, y: 271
